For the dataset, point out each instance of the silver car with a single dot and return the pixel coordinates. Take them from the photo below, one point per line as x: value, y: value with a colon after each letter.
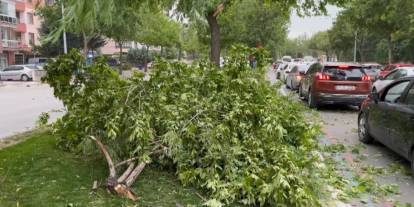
x: 18, y: 72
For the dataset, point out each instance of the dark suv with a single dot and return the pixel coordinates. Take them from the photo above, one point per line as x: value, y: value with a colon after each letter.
x: 388, y: 117
x: 335, y: 83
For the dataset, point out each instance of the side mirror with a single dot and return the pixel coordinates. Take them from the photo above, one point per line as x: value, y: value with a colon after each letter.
x: 375, y: 96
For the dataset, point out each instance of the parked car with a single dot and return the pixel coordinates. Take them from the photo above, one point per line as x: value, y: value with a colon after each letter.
x: 395, y: 74
x: 18, y: 72
x: 38, y: 61
x: 384, y: 72
x: 281, y: 67
x: 286, y: 71
x: 287, y: 59
x: 335, y: 83
x: 309, y: 59
x: 373, y: 70
x: 387, y: 116
x: 296, y: 75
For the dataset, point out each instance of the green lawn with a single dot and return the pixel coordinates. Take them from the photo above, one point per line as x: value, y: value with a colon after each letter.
x: 37, y: 173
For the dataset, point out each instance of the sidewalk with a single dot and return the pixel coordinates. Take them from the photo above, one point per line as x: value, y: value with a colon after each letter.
x: 20, y: 83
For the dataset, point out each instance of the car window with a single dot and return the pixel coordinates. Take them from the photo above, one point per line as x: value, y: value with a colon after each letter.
x: 392, y: 75
x: 410, y: 96
x: 314, y: 68
x: 294, y: 69
x: 393, y: 94
x: 335, y: 73
x: 16, y: 68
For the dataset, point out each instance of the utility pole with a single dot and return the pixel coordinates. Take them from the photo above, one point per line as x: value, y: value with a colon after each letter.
x: 355, y: 46
x: 65, y: 46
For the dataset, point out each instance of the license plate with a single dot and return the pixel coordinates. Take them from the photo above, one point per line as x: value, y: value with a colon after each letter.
x: 345, y: 88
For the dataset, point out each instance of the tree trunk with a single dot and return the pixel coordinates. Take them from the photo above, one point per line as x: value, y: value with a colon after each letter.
x: 120, y: 52
x: 146, y: 59
x: 179, y: 53
x: 85, y: 45
x: 215, y: 39
x: 120, y: 57
x: 390, y: 47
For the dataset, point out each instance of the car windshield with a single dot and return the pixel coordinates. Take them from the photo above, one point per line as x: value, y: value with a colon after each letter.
x: 303, y: 68
x: 345, y: 73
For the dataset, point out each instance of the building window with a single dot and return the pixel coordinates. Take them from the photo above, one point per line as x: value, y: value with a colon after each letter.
x: 29, y: 18
x: 31, y: 38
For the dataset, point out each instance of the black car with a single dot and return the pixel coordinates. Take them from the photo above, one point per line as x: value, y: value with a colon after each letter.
x: 388, y: 117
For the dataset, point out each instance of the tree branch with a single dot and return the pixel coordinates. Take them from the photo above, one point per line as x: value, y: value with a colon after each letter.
x: 218, y: 10
x: 134, y: 175
x: 112, y: 171
x: 126, y: 173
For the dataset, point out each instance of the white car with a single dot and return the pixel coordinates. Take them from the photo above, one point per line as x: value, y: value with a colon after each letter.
x: 18, y: 72
x: 287, y: 70
x: 280, y: 69
x: 393, y: 75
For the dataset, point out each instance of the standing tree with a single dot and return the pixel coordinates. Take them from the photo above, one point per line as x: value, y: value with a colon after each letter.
x: 85, y: 16
x: 51, y: 16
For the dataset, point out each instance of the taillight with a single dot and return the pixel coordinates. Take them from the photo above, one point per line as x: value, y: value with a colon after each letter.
x: 321, y: 76
x: 366, y: 78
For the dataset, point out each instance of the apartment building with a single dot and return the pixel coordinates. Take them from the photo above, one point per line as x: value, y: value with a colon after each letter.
x: 19, y: 30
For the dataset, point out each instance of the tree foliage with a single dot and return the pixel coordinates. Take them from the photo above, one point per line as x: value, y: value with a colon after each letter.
x: 381, y: 28
x: 254, y: 24
x: 51, y: 15
x: 225, y: 131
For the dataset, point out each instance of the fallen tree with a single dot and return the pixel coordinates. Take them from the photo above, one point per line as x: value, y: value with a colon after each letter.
x: 226, y: 131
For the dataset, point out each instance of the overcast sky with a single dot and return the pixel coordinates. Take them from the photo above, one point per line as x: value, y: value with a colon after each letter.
x: 312, y: 25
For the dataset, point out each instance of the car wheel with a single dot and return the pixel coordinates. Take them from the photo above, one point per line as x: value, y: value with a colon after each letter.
x: 300, y: 91
x: 412, y: 163
x: 363, y: 132
x: 312, y: 103
x: 25, y: 78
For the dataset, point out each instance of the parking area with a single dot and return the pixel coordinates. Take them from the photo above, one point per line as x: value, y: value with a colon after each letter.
x: 21, y: 103
x: 339, y: 127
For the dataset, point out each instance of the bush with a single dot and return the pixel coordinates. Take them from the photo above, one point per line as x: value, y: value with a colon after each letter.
x: 139, y: 57
x: 226, y: 130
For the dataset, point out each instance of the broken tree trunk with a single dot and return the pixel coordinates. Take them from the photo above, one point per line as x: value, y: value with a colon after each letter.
x: 120, y: 186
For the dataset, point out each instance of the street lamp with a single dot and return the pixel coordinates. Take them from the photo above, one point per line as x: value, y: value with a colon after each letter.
x: 65, y: 46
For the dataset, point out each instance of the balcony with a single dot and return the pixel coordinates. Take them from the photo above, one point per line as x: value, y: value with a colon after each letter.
x: 21, y: 27
x: 20, y: 6
x: 8, y: 20
x: 12, y: 45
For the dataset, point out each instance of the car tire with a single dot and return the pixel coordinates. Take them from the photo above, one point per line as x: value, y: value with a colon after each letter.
x: 312, y: 103
x: 24, y: 78
x: 300, y: 92
x: 412, y: 164
x: 363, y: 133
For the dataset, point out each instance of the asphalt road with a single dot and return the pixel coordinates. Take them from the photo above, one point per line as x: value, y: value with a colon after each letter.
x: 21, y: 103
x: 339, y: 125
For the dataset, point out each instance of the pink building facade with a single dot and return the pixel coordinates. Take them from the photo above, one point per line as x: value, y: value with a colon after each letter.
x: 19, y: 30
